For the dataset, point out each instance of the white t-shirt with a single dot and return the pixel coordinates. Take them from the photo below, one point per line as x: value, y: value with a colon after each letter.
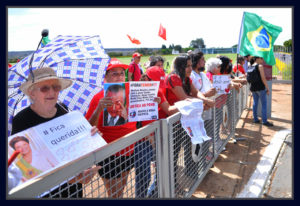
x: 202, y: 83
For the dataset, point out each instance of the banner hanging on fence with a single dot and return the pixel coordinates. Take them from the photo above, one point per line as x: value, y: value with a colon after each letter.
x: 191, y: 119
x: 53, y: 144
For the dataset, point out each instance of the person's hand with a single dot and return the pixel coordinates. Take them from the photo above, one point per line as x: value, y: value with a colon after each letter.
x: 123, y: 111
x: 157, y: 99
x: 86, y: 176
x: 95, y: 130
x: 268, y: 91
x: 105, y: 102
x: 211, y: 92
x: 206, y: 107
x: 209, y: 102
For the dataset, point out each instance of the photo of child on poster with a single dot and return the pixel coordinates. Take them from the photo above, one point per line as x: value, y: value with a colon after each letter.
x: 117, y: 113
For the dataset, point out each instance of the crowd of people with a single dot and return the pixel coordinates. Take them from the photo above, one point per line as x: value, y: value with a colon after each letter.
x: 191, y: 76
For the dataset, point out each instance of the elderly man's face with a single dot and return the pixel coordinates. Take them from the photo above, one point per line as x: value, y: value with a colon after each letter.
x: 118, y: 101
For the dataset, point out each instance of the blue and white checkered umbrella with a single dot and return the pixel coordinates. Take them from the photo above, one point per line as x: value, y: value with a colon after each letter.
x: 80, y: 58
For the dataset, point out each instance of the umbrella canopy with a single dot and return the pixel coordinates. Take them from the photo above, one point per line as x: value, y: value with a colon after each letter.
x: 80, y: 58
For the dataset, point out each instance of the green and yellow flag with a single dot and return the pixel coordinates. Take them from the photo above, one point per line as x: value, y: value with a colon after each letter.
x: 257, y: 37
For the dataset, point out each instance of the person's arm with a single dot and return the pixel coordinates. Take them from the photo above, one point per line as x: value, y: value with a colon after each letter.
x: 263, y: 78
x: 168, y: 109
x: 130, y: 76
x: 211, y: 92
x: 196, y: 93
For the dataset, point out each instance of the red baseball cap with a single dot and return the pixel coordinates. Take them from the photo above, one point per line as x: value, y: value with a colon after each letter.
x: 114, y: 62
x: 136, y: 54
x: 155, y: 73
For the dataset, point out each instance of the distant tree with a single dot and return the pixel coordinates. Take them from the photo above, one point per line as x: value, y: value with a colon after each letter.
x: 288, y: 43
x: 234, y: 46
x: 198, y: 43
x: 163, y: 46
x: 171, y: 46
x: 178, y: 48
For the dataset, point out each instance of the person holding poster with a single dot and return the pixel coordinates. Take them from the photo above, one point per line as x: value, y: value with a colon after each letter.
x: 115, y: 169
x: 144, y: 149
x: 117, y: 113
x: 43, y: 88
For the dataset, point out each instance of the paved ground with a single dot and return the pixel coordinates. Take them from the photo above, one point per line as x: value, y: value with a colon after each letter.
x: 235, y: 165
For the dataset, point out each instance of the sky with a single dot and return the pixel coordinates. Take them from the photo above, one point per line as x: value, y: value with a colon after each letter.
x: 219, y: 27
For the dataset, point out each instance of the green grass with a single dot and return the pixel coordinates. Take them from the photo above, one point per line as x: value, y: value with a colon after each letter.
x: 169, y: 58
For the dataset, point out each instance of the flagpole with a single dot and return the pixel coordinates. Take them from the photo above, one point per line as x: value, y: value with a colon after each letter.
x: 238, y: 46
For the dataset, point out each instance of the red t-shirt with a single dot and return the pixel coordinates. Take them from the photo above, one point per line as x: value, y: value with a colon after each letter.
x: 161, y: 113
x: 111, y: 133
x: 175, y: 81
x: 241, y: 69
x: 135, y: 70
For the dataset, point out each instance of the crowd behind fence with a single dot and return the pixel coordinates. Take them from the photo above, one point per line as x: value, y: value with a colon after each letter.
x: 172, y: 172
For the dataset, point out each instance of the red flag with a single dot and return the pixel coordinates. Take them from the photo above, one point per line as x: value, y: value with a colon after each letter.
x: 133, y: 40
x: 9, y: 65
x: 162, y: 32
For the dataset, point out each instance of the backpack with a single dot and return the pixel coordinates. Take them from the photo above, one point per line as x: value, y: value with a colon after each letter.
x: 126, y: 74
x: 253, y: 75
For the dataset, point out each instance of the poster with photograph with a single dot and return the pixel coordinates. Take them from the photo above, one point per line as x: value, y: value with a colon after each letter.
x: 52, y: 144
x: 141, y: 101
x: 117, y: 113
x: 221, y: 83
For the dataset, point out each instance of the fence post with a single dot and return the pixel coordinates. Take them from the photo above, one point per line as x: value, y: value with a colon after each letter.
x: 165, y: 161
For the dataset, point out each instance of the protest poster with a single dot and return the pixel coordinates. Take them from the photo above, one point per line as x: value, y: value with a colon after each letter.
x: 52, y: 144
x: 191, y: 119
x: 221, y: 83
x: 141, y: 101
x: 117, y: 113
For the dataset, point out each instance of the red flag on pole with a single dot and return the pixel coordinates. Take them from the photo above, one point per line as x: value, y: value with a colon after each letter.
x: 162, y: 32
x: 133, y: 40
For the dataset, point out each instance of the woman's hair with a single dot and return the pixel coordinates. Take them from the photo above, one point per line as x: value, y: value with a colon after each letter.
x: 212, y: 63
x: 144, y: 77
x: 253, y: 59
x: 180, y: 65
x: 16, y: 139
x: 156, y: 59
x: 195, y: 59
x: 240, y: 59
x: 224, y: 66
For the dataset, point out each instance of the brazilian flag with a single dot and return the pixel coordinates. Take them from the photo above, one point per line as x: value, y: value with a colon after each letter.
x: 257, y: 37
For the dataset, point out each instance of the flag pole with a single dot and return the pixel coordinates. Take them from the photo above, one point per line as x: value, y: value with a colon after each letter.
x: 238, y: 46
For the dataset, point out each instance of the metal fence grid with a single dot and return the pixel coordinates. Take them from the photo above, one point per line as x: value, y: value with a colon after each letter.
x: 161, y: 164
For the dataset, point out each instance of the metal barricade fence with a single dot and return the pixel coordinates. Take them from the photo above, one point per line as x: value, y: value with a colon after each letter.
x: 157, y: 163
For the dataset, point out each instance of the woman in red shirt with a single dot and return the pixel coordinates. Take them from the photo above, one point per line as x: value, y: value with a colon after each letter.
x: 180, y: 87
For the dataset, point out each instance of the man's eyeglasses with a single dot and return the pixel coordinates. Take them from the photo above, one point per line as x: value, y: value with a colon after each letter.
x: 46, y: 88
x: 116, y: 74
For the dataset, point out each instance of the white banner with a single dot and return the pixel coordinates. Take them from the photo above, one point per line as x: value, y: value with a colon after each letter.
x: 221, y: 83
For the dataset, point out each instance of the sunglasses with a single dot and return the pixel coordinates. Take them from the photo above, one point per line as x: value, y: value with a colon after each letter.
x: 46, y: 88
